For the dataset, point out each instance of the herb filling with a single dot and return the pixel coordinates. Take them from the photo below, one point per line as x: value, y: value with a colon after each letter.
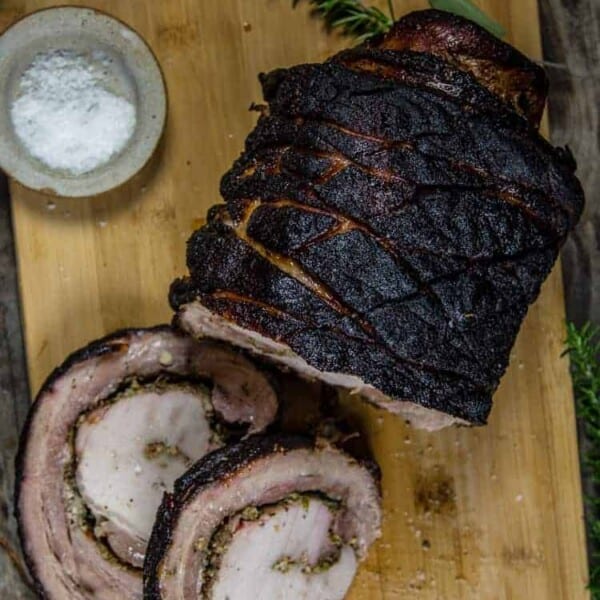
x: 217, y: 546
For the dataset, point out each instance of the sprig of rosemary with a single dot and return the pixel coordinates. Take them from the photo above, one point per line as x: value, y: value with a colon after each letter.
x: 583, y: 348
x: 361, y: 22
x: 352, y: 18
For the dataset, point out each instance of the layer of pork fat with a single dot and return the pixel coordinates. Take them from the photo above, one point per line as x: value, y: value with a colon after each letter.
x: 201, y: 322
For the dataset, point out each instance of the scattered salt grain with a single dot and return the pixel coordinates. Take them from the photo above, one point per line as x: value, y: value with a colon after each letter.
x: 65, y: 114
x: 166, y: 358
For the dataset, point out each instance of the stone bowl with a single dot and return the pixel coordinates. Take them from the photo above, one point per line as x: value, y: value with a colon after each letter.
x: 130, y: 71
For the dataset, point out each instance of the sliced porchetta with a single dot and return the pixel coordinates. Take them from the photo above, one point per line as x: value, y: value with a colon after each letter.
x: 392, y: 217
x: 273, y: 517
x: 109, y: 432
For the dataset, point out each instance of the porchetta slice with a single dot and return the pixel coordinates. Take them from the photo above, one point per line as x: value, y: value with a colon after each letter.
x: 108, y: 434
x: 391, y: 219
x: 273, y: 517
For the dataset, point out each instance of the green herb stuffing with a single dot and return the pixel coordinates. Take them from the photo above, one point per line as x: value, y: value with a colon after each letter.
x: 583, y: 348
x: 284, y: 565
x: 215, y: 549
x: 250, y: 513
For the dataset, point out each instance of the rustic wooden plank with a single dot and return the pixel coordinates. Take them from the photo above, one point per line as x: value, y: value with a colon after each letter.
x: 474, y: 514
x: 14, y: 394
x: 572, y: 53
x: 572, y: 60
x: 14, y: 402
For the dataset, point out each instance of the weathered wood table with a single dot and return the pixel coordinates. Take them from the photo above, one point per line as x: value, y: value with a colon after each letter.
x: 529, y: 560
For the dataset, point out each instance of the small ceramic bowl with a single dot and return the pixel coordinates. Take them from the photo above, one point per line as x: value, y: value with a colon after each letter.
x: 133, y: 74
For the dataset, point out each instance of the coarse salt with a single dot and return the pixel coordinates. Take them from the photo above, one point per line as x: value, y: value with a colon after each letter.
x: 66, y: 116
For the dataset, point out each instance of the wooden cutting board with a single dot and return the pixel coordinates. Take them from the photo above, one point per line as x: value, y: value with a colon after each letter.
x: 485, y: 514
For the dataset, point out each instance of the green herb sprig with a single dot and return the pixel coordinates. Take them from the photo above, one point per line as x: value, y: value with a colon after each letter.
x: 583, y: 348
x: 353, y: 19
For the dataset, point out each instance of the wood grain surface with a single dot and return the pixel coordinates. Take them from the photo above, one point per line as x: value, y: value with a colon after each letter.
x: 572, y: 59
x: 14, y: 397
x: 489, y: 514
x: 14, y: 402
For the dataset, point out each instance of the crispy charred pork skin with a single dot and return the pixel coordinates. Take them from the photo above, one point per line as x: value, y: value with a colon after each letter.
x: 390, y: 221
x: 273, y: 517
x: 110, y: 430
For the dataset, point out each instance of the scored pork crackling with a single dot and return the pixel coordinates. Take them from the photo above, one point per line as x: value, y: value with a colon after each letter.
x: 391, y: 219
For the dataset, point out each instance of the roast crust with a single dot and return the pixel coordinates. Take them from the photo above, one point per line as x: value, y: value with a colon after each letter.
x: 393, y: 215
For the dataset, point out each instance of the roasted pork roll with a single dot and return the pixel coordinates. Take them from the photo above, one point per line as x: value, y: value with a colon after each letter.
x: 109, y: 432
x: 390, y: 221
x: 273, y: 517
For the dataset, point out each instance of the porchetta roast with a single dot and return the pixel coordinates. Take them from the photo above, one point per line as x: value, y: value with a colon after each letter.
x: 108, y: 434
x: 271, y: 518
x: 392, y: 217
